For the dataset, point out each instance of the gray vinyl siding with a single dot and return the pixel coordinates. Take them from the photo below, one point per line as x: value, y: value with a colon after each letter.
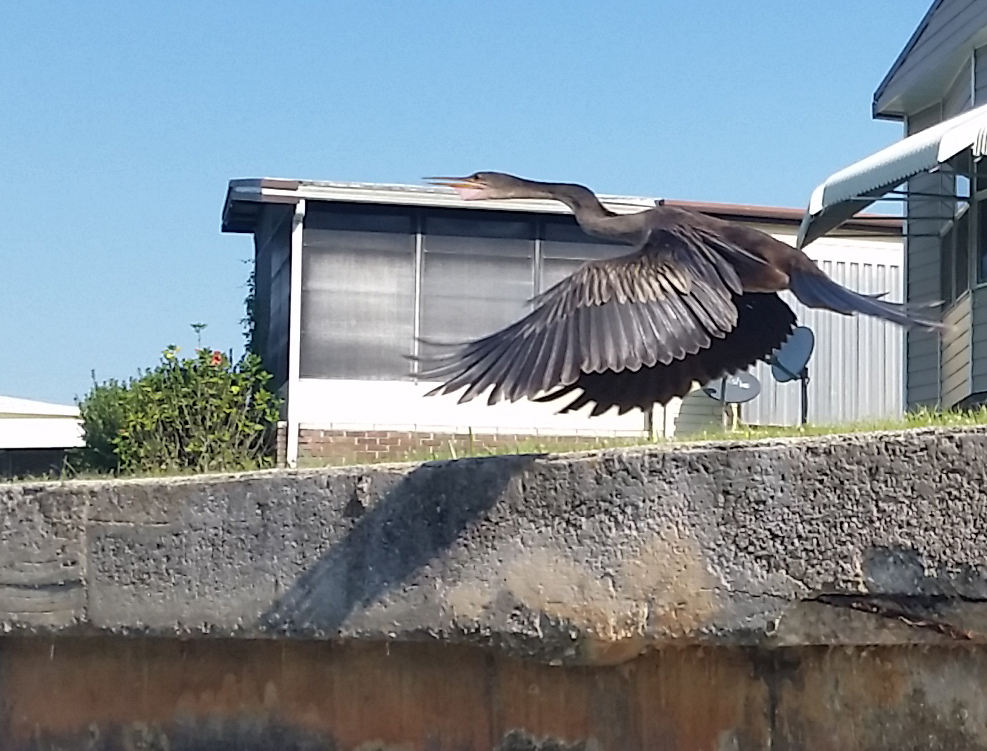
x: 980, y: 76
x: 697, y: 414
x: 272, y: 293
x: 958, y: 95
x: 978, y: 297
x: 956, y: 353
x: 940, y: 370
x: 951, y: 27
x: 978, y: 340
x: 922, y: 353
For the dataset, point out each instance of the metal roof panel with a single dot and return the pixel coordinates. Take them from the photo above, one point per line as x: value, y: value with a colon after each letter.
x: 852, y: 188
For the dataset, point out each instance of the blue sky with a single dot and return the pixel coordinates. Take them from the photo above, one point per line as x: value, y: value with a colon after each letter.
x: 121, y: 124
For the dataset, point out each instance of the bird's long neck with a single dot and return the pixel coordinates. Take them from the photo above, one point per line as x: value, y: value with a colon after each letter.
x: 592, y: 216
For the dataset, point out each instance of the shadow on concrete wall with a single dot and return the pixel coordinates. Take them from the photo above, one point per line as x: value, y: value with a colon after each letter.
x: 409, y: 527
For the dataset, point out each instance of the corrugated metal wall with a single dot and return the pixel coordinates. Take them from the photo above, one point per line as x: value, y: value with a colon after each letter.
x: 856, y: 367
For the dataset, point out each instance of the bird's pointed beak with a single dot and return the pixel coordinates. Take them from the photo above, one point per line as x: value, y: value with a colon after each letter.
x: 450, y: 182
x: 467, y: 188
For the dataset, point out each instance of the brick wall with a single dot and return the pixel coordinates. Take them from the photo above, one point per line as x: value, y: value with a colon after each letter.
x: 281, y: 441
x: 319, y: 447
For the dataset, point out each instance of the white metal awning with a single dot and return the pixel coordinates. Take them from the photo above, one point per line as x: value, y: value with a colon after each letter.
x: 846, y: 192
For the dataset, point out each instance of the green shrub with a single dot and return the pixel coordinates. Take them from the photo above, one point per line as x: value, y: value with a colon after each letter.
x: 200, y: 414
x: 103, y: 414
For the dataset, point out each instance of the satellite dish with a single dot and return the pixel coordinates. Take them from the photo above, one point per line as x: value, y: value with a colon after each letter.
x: 788, y: 361
x: 735, y: 389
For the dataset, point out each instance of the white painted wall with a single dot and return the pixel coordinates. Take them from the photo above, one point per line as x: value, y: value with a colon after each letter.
x: 335, y: 404
x: 40, y: 433
x: 29, y: 424
x: 402, y: 405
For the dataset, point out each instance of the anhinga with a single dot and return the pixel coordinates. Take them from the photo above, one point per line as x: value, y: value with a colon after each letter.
x: 695, y: 300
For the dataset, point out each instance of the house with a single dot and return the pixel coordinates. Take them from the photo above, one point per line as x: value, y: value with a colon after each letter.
x: 35, y: 437
x: 349, y: 276
x: 937, y: 89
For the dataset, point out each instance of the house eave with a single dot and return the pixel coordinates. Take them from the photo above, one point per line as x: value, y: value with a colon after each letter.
x: 905, y: 91
x: 244, y: 197
x: 277, y: 190
x: 881, y: 107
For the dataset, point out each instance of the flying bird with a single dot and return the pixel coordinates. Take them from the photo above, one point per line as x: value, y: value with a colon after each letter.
x: 695, y: 299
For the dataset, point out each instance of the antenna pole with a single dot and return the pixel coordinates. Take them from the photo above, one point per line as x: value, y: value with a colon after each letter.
x: 804, y: 378
x: 723, y: 399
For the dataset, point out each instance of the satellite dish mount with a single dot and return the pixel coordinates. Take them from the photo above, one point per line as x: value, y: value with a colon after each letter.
x: 790, y: 363
x: 733, y: 389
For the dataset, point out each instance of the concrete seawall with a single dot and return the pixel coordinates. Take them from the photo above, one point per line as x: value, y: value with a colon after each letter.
x: 812, y: 594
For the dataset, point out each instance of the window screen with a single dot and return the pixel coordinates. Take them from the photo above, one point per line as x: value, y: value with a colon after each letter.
x: 980, y: 170
x: 477, y: 273
x: 280, y: 312
x: 272, y: 286
x: 982, y: 239
x: 565, y: 247
x: 358, y: 293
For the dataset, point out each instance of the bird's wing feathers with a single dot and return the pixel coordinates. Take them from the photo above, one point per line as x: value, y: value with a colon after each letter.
x: 665, y: 301
x: 763, y: 324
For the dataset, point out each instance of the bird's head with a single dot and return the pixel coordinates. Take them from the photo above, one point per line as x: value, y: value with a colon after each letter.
x: 483, y: 186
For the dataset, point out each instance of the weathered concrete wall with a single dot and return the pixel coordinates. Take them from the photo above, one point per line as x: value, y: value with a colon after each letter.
x: 585, y: 558
x: 722, y: 571
x: 110, y: 694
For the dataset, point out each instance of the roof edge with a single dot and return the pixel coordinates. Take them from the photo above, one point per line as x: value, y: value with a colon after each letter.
x: 254, y: 191
x: 878, y: 223
x: 899, y: 61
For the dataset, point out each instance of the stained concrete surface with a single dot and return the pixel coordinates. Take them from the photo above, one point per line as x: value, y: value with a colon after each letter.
x: 588, y: 558
x: 140, y: 694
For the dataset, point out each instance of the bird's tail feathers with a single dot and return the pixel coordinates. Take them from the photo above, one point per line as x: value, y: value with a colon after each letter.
x: 815, y: 289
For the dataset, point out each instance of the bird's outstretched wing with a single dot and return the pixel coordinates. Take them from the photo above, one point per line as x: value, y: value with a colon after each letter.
x: 645, y: 311
x: 764, y: 322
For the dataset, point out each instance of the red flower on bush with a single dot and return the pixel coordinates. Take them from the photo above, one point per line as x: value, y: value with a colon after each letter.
x: 217, y: 358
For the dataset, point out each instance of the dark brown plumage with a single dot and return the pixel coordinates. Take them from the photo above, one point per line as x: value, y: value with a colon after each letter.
x: 696, y: 299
